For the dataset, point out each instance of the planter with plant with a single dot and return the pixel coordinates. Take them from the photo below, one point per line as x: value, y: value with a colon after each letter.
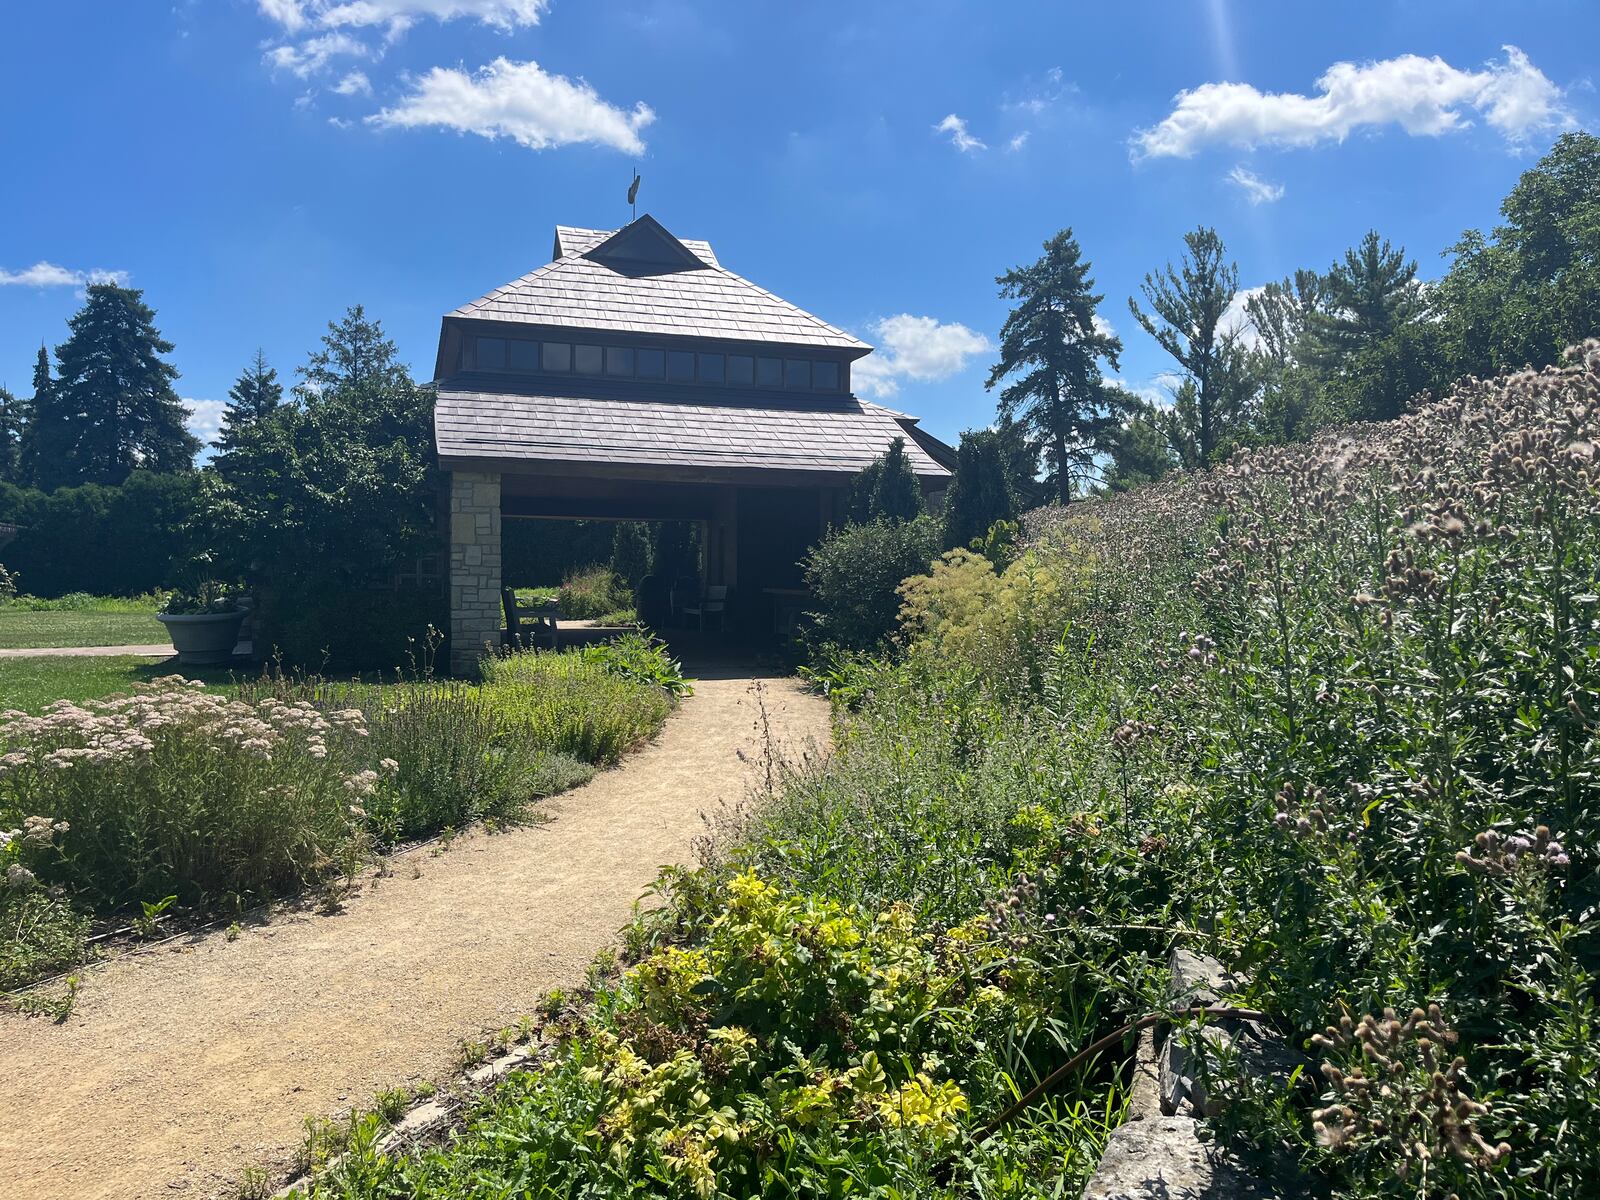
x: 204, y: 621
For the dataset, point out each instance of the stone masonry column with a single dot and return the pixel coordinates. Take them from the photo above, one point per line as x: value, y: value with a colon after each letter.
x: 474, y: 568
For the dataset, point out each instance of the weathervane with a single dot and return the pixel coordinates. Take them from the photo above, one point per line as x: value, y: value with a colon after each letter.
x: 633, y: 194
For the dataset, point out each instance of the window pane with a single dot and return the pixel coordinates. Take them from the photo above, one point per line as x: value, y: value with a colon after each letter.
x: 652, y: 364
x: 558, y: 356
x: 712, y: 368
x: 797, y: 372
x: 680, y: 366
x: 619, y: 360
x: 522, y: 356
x: 769, y: 372
x: 825, y: 376
x: 586, y: 360
x: 741, y: 369
x: 491, y: 354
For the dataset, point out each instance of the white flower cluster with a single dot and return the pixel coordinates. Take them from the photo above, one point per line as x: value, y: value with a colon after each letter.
x: 122, y: 729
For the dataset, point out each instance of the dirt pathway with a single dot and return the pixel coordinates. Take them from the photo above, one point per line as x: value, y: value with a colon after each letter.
x: 179, y: 1067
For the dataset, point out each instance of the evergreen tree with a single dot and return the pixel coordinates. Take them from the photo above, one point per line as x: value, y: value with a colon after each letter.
x: 1187, y: 306
x: 1372, y: 294
x: 1053, y: 346
x: 256, y: 393
x: 630, y: 552
x: 1368, y: 345
x: 13, y: 423
x: 43, y: 437
x: 887, y: 489
x: 980, y: 494
x: 355, y: 354
x: 111, y: 408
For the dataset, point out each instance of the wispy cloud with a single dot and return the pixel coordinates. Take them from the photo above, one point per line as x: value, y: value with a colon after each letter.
x: 397, y: 16
x: 1423, y: 96
x: 1255, y: 189
x: 312, y: 55
x: 959, y: 137
x: 520, y: 101
x: 48, y: 275
x: 1018, y: 141
x: 355, y: 83
x: 919, y: 348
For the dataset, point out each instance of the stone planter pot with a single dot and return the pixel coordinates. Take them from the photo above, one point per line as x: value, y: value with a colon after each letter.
x: 203, y: 638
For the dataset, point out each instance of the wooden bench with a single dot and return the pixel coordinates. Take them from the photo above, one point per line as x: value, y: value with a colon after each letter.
x: 527, y: 625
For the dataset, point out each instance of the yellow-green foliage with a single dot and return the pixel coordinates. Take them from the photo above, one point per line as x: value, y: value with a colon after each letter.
x: 574, y: 705
x: 997, y: 625
x: 796, y: 1044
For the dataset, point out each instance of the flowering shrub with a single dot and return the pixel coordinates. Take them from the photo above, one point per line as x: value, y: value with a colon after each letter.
x: 174, y: 790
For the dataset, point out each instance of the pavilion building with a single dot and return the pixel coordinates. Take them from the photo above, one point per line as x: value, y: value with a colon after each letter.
x: 634, y: 377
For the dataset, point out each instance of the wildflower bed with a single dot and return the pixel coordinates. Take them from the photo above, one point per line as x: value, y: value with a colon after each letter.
x: 1328, y: 713
x: 174, y: 795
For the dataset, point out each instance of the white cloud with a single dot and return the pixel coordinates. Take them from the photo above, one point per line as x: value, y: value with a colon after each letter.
x: 1236, y: 318
x: 1424, y: 96
x: 45, y: 274
x: 520, y: 101
x: 919, y: 348
x: 204, y: 418
x: 1104, y: 327
x: 398, y: 15
x: 1018, y: 141
x: 354, y: 84
x: 1256, y: 189
x: 959, y: 137
x: 313, y: 54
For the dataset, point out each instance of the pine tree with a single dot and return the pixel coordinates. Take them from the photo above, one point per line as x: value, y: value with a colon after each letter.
x: 1187, y: 306
x: 1371, y: 295
x: 1053, y: 345
x: 13, y: 423
x: 44, y: 435
x: 256, y: 394
x: 355, y: 355
x: 1370, y: 346
x: 980, y: 494
x: 112, y: 408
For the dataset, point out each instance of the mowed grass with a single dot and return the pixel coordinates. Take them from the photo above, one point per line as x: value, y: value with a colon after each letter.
x: 32, y: 683
x: 20, y: 627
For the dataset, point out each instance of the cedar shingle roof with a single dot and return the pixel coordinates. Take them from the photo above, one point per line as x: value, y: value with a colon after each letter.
x: 708, y: 301
x: 841, y: 434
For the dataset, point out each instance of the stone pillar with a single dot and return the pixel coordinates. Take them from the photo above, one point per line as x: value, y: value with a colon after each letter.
x: 475, y: 611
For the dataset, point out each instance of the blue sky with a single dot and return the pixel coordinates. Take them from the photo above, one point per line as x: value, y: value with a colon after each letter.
x: 257, y: 165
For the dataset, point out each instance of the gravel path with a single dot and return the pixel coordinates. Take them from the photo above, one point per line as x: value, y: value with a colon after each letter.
x: 182, y: 1065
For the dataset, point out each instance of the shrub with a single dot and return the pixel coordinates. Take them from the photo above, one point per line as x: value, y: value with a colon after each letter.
x: 640, y: 658
x: 455, y: 757
x: 349, y: 628
x: 172, y: 790
x: 855, y: 573
x: 573, y: 705
x: 8, y: 584
x: 43, y: 934
x: 118, y: 540
x: 593, y: 592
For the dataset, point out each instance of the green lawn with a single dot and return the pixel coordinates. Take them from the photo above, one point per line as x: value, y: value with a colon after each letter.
x: 77, y: 627
x: 32, y: 683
